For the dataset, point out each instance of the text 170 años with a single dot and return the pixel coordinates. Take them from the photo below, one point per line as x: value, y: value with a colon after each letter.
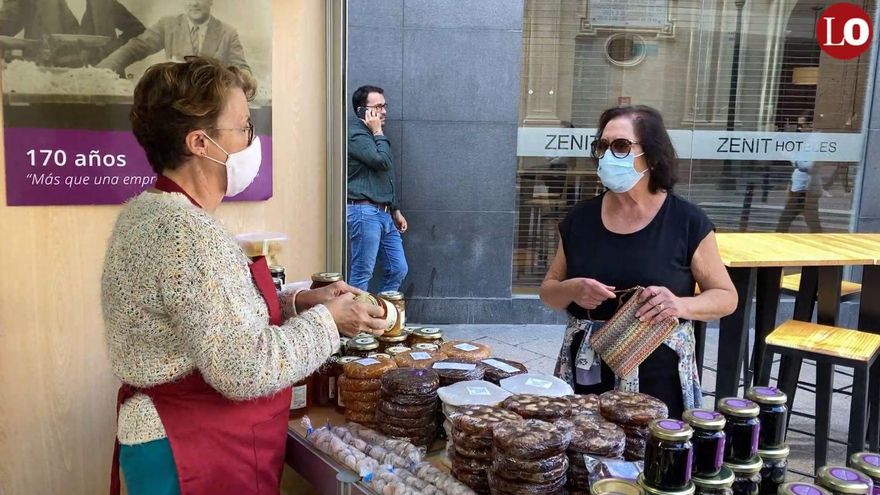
x: 58, y: 158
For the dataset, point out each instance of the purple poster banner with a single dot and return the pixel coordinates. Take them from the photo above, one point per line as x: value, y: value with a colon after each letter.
x: 77, y: 167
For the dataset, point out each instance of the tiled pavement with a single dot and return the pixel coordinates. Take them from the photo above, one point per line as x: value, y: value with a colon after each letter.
x: 538, y: 345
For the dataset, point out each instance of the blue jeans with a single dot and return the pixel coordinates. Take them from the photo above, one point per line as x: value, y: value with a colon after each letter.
x: 372, y: 235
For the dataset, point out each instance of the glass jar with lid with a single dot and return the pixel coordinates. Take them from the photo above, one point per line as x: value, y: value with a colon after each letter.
x: 426, y: 347
x: 775, y: 469
x: 426, y: 335
x: 650, y: 490
x: 398, y: 349
x: 379, y: 355
x: 386, y: 341
x: 324, y: 386
x: 801, y: 488
x: 869, y: 464
x: 708, y: 441
x: 742, y: 429
x: 720, y: 484
x: 396, y: 298
x: 361, y: 346
x: 844, y: 481
x: 278, y: 276
x: 668, y: 455
x: 323, y: 279
x: 340, y: 404
x: 773, y: 416
x: 615, y: 486
x: 747, y: 476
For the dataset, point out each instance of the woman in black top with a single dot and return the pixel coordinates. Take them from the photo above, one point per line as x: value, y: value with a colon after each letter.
x: 637, y: 233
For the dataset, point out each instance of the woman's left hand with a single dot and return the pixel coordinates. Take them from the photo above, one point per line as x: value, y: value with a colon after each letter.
x: 659, y: 303
x: 310, y: 298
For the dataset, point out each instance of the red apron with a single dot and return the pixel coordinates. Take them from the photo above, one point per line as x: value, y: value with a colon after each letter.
x: 220, y: 446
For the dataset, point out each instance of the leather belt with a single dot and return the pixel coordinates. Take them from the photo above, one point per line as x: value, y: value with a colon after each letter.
x: 386, y: 207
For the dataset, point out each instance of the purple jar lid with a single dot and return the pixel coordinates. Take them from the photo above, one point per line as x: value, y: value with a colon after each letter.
x: 805, y: 489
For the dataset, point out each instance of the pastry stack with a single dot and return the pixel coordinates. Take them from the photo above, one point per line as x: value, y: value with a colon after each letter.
x: 408, y: 407
x: 538, y: 407
x: 590, y: 436
x: 528, y: 456
x: 359, y: 388
x: 632, y: 411
x: 470, y: 448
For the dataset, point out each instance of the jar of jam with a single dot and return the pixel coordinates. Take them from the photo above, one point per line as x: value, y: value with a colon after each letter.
x: 844, y: 481
x: 361, y: 346
x: 387, y: 341
x: 426, y: 347
x: 278, y: 277
x: 708, y: 441
x: 747, y: 476
x: 324, y: 279
x: 340, y: 404
x: 742, y: 429
x: 324, y: 389
x: 801, y: 488
x: 869, y: 464
x: 396, y: 298
x: 379, y: 355
x: 773, y: 416
x: 426, y: 336
x: 650, y: 490
x: 720, y: 484
x: 615, y: 486
x: 398, y: 349
x: 774, y: 470
x: 301, y: 398
x: 668, y: 455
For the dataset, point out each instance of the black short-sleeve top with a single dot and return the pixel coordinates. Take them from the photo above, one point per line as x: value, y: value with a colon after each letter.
x: 659, y: 254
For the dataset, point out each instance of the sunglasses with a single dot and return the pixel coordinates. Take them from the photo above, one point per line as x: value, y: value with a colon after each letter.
x: 620, y: 147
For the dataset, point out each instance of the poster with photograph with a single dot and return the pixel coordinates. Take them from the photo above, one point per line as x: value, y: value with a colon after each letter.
x: 69, y: 68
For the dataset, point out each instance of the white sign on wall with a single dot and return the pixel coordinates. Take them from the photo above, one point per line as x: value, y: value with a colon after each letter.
x: 707, y: 145
x: 628, y: 13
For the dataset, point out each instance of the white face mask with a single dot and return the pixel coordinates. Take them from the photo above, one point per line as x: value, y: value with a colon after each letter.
x: 241, y: 167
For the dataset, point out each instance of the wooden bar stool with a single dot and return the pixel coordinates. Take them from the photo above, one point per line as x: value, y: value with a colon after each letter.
x: 828, y: 346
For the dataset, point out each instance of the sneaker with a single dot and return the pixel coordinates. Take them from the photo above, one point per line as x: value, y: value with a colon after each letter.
x: 826, y: 194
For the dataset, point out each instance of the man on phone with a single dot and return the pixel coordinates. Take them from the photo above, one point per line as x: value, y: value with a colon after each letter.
x: 374, y: 218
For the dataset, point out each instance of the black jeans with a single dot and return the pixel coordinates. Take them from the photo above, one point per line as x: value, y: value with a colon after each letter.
x: 797, y: 203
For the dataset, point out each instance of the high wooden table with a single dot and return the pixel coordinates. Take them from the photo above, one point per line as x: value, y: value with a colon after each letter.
x: 755, y: 262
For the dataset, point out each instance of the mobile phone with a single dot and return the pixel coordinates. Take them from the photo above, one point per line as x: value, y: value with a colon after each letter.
x: 362, y: 113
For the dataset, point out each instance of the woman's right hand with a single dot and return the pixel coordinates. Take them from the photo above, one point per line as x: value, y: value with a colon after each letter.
x: 353, y: 317
x: 589, y: 293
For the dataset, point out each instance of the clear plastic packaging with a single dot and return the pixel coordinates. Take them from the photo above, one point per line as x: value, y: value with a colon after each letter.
x: 536, y: 384
x: 472, y: 392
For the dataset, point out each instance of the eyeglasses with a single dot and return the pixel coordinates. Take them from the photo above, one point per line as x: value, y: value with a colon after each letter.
x: 620, y: 147
x: 383, y: 106
x: 249, y: 130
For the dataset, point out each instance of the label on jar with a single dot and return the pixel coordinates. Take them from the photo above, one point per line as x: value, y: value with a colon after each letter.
x: 478, y: 391
x: 300, y: 397
x: 501, y: 366
x: 537, y: 382
x: 466, y: 347
x: 331, y: 387
x: 455, y: 366
x: 367, y: 361
x: 419, y: 356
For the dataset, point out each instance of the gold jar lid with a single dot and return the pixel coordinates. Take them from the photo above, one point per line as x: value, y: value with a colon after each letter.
x: 410, y: 329
x: 615, y: 486
x: 735, y: 406
x: 724, y: 479
x: 705, y: 419
x: 391, y: 295
x: 392, y: 340
x: 767, y: 395
x: 328, y: 277
x: 425, y: 347
x: 347, y: 359
x: 866, y: 462
x: 379, y: 355
x: 801, y: 488
x: 276, y: 269
x: 843, y: 480
x: 781, y: 453
x: 398, y: 349
x: 754, y: 466
x: 363, y: 344
x: 671, y: 429
x: 428, y: 333
x: 653, y: 491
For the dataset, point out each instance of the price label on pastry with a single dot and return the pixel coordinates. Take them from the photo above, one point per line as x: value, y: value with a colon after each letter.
x: 419, y: 356
x: 478, y: 391
x: 537, y: 382
x: 466, y: 347
x: 455, y: 366
x: 500, y: 365
x: 367, y: 361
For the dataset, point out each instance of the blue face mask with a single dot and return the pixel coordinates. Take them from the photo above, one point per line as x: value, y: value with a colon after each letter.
x: 619, y: 174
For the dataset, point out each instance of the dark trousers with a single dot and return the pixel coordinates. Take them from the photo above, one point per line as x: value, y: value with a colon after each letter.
x: 803, y: 202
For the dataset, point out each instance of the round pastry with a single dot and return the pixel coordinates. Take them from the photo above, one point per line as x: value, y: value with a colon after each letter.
x: 538, y: 407
x: 478, y: 421
x: 348, y: 396
x: 410, y: 400
x: 542, y: 476
x: 455, y: 370
x: 418, y: 359
x: 364, y: 407
x: 361, y: 417
x: 410, y: 381
x: 507, y: 487
x: 635, y: 449
x: 408, y: 412
x: 422, y: 422
x: 468, y: 352
x: 475, y: 481
x: 499, y: 369
x: 472, y: 453
x: 584, y: 404
x: 636, y: 432
x: 407, y: 432
x: 471, y: 442
x: 528, y: 439
x: 368, y: 368
x: 508, y: 463
x: 631, y: 408
x: 472, y: 464
x: 359, y: 385
x: 595, y: 436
